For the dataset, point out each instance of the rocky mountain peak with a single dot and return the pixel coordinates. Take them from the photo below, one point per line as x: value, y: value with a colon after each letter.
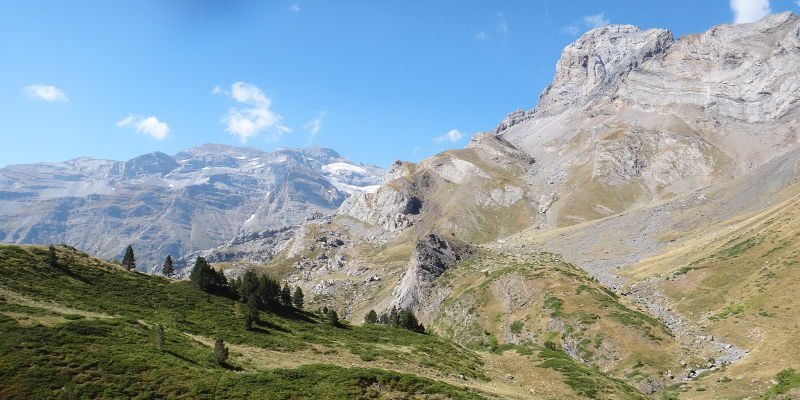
x: 154, y: 163
x: 591, y: 66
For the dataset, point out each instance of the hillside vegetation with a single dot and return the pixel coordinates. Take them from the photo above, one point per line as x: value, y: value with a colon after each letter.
x: 505, y: 300
x: 86, y: 328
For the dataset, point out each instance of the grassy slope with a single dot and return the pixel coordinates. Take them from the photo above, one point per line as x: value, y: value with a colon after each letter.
x: 534, y: 299
x: 740, y: 280
x: 84, y: 330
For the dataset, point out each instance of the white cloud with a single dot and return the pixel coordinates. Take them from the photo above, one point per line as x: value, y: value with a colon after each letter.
x: 254, y: 116
x: 314, y: 126
x: 46, y: 93
x: 502, y: 25
x: 595, y: 21
x: 570, y: 29
x: 452, y: 136
x: 482, y: 35
x: 145, y: 125
x: 745, y: 11
x: 588, y: 22
x: 294, y: 8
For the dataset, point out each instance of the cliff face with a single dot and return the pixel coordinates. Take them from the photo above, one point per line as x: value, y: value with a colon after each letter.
x: 634, y: 116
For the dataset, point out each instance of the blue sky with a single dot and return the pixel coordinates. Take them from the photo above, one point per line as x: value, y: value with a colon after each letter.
x: 375, y: 80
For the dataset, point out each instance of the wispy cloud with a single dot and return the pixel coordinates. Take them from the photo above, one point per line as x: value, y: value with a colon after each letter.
x: 452, y: 136
x: 500, y: 28
x: 745, y: 11
x: 587, y: 22
x: 572, y: 30
x: 294, y: 8
x: 314, y: 126
x: 502, y: 25
x: 253, y: 116
x: 46, y: 93
x: 145, y: 125
x: 595, y: 21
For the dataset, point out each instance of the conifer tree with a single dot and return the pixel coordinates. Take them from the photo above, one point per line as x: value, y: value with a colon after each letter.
x: 169, y: 269
x: 52, y: 258
x: 129, y: 260
x: 394, y: 317
x: 286, y: 295
x: 249, y: 285
x: 159, y: 330
x: 252, y: 309
x: 220, y: 352
x: 409, y: 321
x: 297, y: 298
x: 248, y: 321
x: 218, y: 278
x: 236, y: 285
x: 371, y: 317
x: 269, y: 291
x: 201, y: 275
x: 333, y: 317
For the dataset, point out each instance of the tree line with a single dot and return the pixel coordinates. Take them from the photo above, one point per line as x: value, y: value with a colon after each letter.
x: 264, y: 293
x: 398, y: 318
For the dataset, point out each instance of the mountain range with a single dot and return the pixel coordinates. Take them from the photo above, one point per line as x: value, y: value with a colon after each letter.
x: 197, y: 199
x: 638, y: 226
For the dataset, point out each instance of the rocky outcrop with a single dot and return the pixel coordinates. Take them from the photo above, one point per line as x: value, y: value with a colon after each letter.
x: 432, y: 256
x: 591, y: 67
x: 391, y: 207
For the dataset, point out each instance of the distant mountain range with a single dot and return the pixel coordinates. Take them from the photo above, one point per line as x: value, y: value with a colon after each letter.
x: 162, y: 204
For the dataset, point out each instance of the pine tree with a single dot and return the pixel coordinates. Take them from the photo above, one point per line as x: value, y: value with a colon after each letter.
x: 220, y: 352
x: 129, y: 261
x: 236, y: 286
x: 52, y: 258
x: 218, y: 278
x: 249, y: 286
x: 269, y: 291
x: 201, y: 275
x: 286, y: 295
x: 394, y: 317
x: 297, y: 298
x: 371, y: 317
x: 248, y: 321
x: 333, y: 317
x: 252, y: 309
x: 409, y: 321
x: 169, y: 270
x: 159, y: 330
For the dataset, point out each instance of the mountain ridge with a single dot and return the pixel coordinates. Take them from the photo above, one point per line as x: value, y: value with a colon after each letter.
x: 229, y: 183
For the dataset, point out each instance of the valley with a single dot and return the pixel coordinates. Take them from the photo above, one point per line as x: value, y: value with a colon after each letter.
x: 634, y: 236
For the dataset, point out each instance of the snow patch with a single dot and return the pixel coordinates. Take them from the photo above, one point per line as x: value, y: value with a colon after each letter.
x: 338, y: 167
